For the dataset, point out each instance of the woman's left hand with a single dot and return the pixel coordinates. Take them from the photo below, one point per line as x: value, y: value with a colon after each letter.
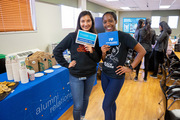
x: 88, y: 48
x: 122, y: 69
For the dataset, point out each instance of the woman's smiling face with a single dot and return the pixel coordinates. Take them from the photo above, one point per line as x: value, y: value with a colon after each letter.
x: 109, y: 23
x: 86, y: 23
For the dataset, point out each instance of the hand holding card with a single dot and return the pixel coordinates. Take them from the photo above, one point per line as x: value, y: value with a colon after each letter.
x: 88, y: 48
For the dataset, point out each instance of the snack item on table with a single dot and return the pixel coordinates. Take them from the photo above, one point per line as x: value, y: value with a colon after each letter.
x: 4, y: 86
x: 6, y: 89
x: 11, y: 84
x: 1, y: 91
x: 7, y: 83
x: 4, y: 83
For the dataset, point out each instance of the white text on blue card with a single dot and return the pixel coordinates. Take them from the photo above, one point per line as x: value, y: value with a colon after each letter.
x: 86, y: 38
x: 108, y: 38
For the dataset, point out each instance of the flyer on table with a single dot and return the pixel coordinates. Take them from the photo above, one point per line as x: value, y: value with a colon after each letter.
x: 108, y: 38
x: 86, y: 38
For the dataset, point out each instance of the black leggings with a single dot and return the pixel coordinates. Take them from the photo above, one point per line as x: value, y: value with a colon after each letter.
x: 158, y: 59
x: 146, y: 64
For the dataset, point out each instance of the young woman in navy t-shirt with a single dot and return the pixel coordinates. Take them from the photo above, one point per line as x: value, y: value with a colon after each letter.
x: 113, y: 70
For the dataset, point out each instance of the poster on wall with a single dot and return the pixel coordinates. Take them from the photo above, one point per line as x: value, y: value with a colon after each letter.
x: 126, y: 27
x: 130, y: 24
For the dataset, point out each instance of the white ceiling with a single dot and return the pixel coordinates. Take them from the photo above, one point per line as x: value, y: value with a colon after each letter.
x: 139, y: 5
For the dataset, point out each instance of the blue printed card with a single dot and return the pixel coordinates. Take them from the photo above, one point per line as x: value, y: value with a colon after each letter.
x: 86, y: 38
x: 108, y: 38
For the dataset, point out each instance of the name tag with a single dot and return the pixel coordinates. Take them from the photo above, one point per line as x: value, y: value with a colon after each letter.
x: 82, y: 78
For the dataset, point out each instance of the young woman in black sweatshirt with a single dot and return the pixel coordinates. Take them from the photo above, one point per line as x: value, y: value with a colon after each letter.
x: 146, y: 36
x: 82, y: 67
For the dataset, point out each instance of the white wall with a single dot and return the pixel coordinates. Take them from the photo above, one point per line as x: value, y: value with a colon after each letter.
x: 48, y: 31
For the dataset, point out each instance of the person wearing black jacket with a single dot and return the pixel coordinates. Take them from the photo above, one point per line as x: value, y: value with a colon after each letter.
x: 161, y: 46
x: 146, y: 37
x: 82, y: 67
x: 139, y: 26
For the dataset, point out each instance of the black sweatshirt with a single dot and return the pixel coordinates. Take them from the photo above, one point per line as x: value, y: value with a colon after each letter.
x: 85, y: 62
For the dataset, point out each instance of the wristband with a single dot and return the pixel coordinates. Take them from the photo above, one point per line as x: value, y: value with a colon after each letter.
x: 130, y: 66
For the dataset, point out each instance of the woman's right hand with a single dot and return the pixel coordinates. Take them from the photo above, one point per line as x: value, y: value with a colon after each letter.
x: 105, y: 48
x: 72, y: 64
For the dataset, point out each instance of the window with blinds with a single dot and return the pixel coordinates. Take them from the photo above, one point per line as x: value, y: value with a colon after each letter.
x: 16, y: 15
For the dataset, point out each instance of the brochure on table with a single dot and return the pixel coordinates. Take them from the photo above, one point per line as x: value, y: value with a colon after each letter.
x: 108, y: 38
x: 86, y: 38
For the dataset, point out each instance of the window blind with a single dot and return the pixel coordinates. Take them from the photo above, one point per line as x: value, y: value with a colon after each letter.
x: 15, y: 15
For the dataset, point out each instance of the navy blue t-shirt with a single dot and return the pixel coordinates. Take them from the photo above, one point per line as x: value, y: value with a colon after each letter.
x: 117, y: 55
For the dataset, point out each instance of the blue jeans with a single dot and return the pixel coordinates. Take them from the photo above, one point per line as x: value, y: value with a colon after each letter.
x: 81, y: 90
x: 111, y: 88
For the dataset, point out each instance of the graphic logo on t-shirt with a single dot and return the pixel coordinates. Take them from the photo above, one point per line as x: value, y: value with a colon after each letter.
x: 112, y: 58
x: 81, y: 48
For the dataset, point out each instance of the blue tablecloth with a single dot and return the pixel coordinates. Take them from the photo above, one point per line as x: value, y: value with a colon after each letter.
x: 45, y: 98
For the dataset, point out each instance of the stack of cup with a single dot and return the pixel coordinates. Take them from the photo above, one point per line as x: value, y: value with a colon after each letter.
x: 9, y: 68
x: 15, y: 69
x: 23, y: 72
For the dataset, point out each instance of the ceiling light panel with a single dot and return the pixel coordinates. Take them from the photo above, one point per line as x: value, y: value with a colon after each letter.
x: 111, y: 0
x: 125, y: 8
x: 164, y: 6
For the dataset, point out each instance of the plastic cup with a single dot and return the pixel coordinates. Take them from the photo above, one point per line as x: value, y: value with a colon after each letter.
x: 31, y: 75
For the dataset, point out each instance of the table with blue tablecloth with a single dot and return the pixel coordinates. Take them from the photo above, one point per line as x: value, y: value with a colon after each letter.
x: 45, y: 98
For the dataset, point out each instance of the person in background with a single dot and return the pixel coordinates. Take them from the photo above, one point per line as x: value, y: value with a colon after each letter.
x: 139, y: 26
x: 82, y: 67
x: 161, y: 46
x: 146, y: 36
x: 113, y: 69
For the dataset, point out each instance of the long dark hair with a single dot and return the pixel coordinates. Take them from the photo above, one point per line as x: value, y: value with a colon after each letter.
x: 111, y: 13
x: 165, y: 27
x: 83, y: 13
x: 147, y: 28
x: 140, y: 22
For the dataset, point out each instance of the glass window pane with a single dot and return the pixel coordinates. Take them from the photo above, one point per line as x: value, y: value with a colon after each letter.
x: 76, y: 15
x: 173, y: 21
x: 155, y: 20
x: 67, y: 16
